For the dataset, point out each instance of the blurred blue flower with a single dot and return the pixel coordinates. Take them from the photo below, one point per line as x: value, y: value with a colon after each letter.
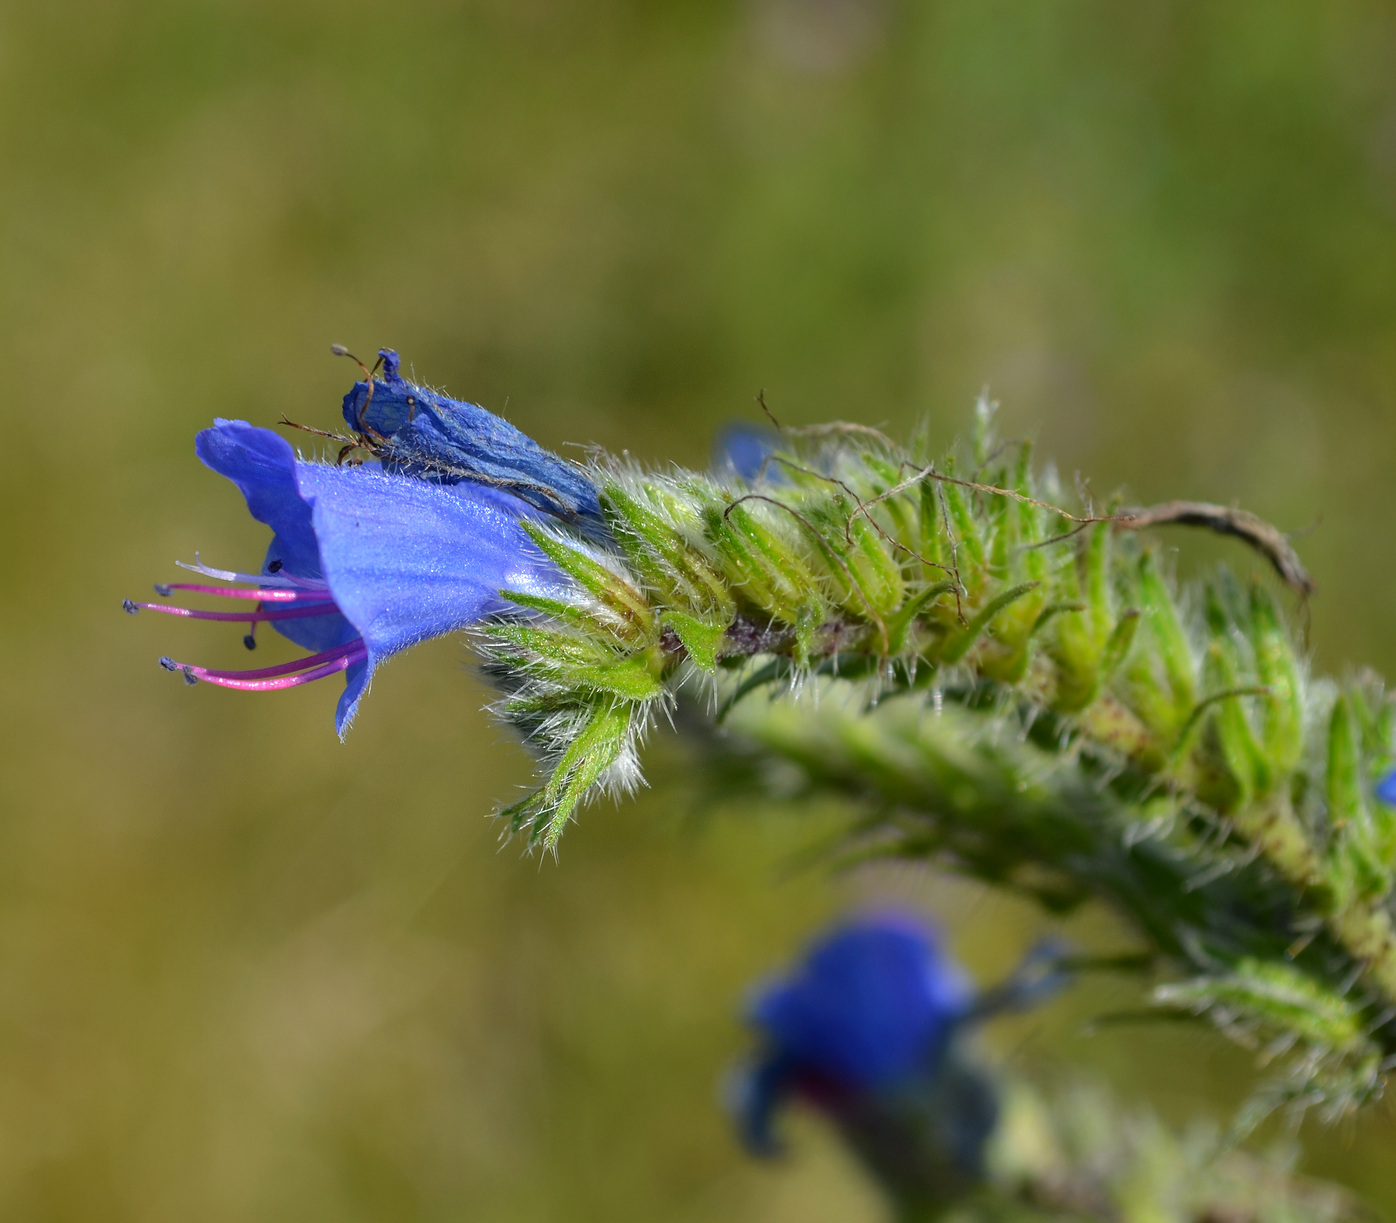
x: 362, y: 563
x: 420, y: 432
x: 869, y: 1031
x: 875, y: 1002
x: 742, y: 450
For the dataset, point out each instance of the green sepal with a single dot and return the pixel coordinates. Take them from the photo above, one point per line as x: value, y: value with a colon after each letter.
x: 731, y: 535
x: 666, y: 559
x: 1044, y: 617
x: 879, y: 574
x: 1282, y: 998
x: 567, y: 613
x: 899, y: 626
x: 1282, y: 721
x: 967, y: 539
x: 1097, y: 584
x: 1117, y: 644
x: 847, y: 581
x: 1353, y: 857
x: 596, y: 578
x: 702, y: 640
x: 633, y: 679
x: 581, y: 664
x: 1232, y: 766
x: 900, y: 513
x: 1344, y: 773
x: 1170, y: 637
x: 550, y: 647
x: 808, y: 618
x: 589, y: 755
x: 1070, y: 643
x: 1007, y: 655
x: 519, y: 814
x: 930, y: 539
x: 957, y: 645
x: 1203, y: 755
x: 1158, y: 682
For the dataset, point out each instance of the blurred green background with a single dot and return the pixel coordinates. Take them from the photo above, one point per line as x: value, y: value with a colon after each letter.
x: 247, y: 972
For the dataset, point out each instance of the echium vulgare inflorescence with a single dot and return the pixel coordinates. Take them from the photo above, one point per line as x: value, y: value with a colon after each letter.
x: 999, y: 678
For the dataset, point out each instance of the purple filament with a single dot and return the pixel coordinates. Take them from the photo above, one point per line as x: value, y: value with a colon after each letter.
x: 309, y: 662
x: 322, y: 608
x: 304, y: 603
x: 276, y: 594
x: 284, y: 675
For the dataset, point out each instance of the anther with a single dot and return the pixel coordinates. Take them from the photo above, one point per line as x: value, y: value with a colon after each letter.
x: 339, y: 350
x: 130, y: 606
x: 250, y: 641
x: 169, y: 663
x: 162, y: 590
x: 189, y: 677
x: 274, y: 567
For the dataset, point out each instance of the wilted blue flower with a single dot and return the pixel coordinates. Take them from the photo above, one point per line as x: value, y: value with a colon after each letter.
x: 868, y: 1030
x: 362, y: 563
x: 420, y: 432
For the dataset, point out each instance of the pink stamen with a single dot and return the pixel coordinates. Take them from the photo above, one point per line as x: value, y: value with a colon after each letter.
x: 305, y: 599
x: 223, y: 680
x: 306, y: 609
x: 353, y: 650
x: 266, y: 595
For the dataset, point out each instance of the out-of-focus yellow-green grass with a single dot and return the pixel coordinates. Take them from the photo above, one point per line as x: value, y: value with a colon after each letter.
x: 247, y: 972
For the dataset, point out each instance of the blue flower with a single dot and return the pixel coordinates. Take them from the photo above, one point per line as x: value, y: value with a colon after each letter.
x: 870, y: 1003
x: 417, y: 431
x: 873, y: 1005
x: 362, y: 563
x: 870, y: 1030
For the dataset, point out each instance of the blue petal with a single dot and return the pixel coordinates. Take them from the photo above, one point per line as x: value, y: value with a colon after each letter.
x: 407, y: 560
x: 355, y: 685
x: 755, y: 1094
x: 421, y: 433
x: 874, y: 1001
x: 263, y: 466
x: 1386, y: 789
x: 743, y: 450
